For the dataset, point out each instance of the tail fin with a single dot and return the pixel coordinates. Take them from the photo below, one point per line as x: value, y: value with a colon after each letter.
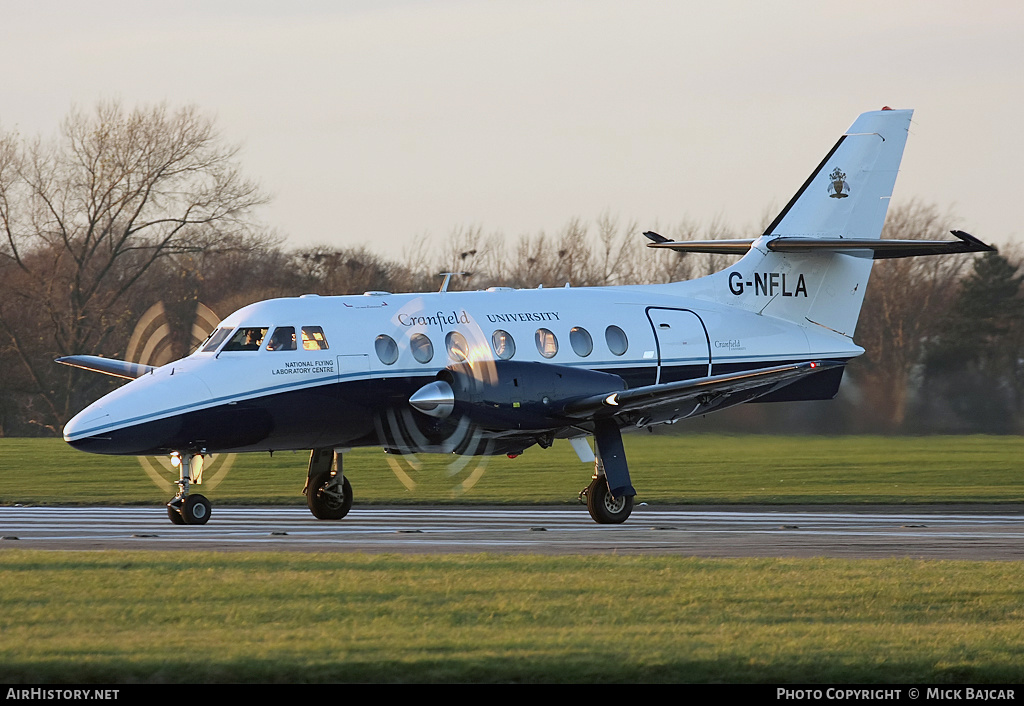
x: 845, y: 197
x: 848, y: 194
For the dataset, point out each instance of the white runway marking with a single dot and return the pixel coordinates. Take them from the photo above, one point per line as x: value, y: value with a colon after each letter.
x: 757, y: 531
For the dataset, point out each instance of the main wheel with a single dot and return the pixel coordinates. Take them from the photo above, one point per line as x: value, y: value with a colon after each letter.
x: 326, y: 499
x: 195, y: 510
x: 605, y: 509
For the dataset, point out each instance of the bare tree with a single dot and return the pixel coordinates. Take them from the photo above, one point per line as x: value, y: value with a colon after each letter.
x: 84, y: 217
x: 582, y: 254
x: 325, y: 270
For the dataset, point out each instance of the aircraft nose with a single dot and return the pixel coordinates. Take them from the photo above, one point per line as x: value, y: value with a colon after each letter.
x: 142, y: 417
x: 92, y: 416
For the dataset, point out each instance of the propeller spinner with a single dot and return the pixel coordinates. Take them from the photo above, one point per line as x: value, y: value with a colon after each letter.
x: 436, y: 399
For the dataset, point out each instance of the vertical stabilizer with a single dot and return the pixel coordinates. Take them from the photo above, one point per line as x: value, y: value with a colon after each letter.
x: 848, y: 194
x: 845, y: 197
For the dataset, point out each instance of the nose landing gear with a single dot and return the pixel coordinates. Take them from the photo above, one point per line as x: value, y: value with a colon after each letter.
x: 186, y: 508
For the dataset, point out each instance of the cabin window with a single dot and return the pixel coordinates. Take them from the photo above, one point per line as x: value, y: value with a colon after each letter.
x: 458, y: 349
x: 581, y: 342
x: 283, y: 339
x: 504, y: 345
x: 547, y: 344
x: 616, y: 340
x: 387, y: 349
x: 246, y: 339
x: 422, y: 348
x: 216, y: 338
x: 313, y: 339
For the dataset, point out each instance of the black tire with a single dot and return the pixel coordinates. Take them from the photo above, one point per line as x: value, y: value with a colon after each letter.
x: 325, y: 503
x: 605, y: 509
x: 195, y: 510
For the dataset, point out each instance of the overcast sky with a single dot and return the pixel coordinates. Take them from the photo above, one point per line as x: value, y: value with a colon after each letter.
x: 378, y: 123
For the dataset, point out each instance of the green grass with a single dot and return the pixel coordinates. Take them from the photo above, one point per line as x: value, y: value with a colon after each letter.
x: 665, y: 469
x: 276, y: 617
x: 120, y: 617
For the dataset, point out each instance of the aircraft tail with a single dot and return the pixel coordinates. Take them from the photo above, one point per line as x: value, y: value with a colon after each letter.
x: 798, y: 270
x: 848, y: 194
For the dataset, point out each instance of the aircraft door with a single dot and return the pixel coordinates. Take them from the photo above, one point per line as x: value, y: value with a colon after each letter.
x: 684, y: 351
x: 350, y: 364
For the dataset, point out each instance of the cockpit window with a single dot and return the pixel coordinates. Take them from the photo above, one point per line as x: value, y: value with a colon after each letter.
x: 246, y: 339
x: 216, y: 338
x: 313, y: 339
x: 283, y: 339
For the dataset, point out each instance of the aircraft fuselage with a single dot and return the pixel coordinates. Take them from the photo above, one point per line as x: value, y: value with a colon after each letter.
x: 352, y: 388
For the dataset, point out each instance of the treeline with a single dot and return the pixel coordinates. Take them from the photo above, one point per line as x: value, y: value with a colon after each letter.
x: 129, y: 208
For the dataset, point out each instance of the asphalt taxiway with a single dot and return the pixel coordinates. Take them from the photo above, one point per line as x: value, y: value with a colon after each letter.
x: 991, y: 532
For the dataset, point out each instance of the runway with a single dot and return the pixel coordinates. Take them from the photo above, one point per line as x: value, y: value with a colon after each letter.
x: 960, y: 532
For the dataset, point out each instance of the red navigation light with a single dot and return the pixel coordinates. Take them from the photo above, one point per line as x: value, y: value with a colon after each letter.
x: 885, y: 107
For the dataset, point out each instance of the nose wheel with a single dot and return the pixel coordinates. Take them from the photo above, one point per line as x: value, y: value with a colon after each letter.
x: 188, y: 508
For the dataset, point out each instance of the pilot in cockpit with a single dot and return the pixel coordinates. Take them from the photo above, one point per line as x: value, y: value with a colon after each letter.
x: 253, y: 339
x: 282, y: 340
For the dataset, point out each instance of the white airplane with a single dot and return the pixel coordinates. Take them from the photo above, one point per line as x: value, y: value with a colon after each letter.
x: 497, y: 371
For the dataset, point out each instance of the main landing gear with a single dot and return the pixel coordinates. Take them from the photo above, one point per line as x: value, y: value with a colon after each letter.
x: 328, y: 492
x: 186, y: 508
x: 609, y: 496
x: 605, y: 508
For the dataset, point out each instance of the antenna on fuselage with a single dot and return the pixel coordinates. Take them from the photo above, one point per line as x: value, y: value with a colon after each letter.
x: 448, y: 278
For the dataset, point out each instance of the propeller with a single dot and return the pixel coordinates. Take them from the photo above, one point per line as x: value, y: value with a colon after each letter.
x: 428, y: 424
x: 156, y: 341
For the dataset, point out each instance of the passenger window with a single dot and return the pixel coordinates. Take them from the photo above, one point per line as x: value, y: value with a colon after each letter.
x: 458, y: 349
x: 246, y: 339
x: 504, y: 345
x: 422, y: 348
x: 313, y: 339
x: 616, y: 340
x: 547, y: 344
x: 387, y: 349
x: 581, y: 342
x: 283, y: 339
x: 216, y: 339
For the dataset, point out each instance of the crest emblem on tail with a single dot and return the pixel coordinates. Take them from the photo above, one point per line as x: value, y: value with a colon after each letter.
x: 838, y: 188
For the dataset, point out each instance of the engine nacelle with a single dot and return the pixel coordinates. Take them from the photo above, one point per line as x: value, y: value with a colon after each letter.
x: 508, y: 394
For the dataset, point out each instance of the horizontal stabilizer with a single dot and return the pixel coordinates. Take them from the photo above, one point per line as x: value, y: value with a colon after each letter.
x: 724, y: 247
x: 107, y: 366
x: 858, y: 247
x: 655, y: 237
x: 714, y: 385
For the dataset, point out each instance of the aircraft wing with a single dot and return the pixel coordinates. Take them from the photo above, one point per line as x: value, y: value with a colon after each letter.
x: 715, y: 385
x: 107, y: 366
